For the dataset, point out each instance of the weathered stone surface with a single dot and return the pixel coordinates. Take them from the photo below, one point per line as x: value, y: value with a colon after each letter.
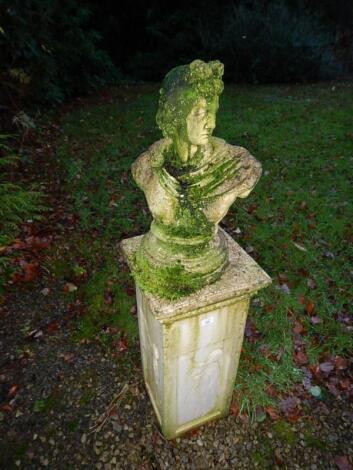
x: 190, y: 179
x: 193, y: 282
x: 191, y: 346
x: 242, y: 277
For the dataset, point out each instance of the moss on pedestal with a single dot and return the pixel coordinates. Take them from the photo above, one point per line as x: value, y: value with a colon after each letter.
x: 169, y: 282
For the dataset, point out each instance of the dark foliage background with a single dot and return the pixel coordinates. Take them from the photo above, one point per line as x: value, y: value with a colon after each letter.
x: 53, y: 49
x: 49, y: 51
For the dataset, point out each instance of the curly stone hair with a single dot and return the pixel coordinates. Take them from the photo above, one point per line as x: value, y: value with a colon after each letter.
x: 182, y: 87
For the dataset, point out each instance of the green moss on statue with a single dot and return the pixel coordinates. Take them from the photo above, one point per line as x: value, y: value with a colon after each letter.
x: 170, y: 281
x: 190, y: 179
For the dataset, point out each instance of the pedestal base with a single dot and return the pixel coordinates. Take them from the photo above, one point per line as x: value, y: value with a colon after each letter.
x: 191, y: 346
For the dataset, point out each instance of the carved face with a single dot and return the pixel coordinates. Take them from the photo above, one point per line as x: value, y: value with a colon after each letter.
x: 201, y: 121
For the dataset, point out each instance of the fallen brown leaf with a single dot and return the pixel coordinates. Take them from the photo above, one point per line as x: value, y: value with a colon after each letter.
x: 301, y: 358
x: 278, y: 457
x: 123, y: 345
x: 273, y: 414
x: 69, y: 357
x: 271, y: 391
x: 301, y: 299
x: 309, y: 307
x: 13, y: 390
x: 342, y: 462
x: 234, y: 409
x: 299, y: 328
x: 293, y: 416
x: 6, y: 408
x: 244, y: 418
x: 53, y: 326
x: 345, y: 384
x: 340, y: 363
x: 30, y: 270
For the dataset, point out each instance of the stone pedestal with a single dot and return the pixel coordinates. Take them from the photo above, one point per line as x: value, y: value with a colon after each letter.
x: 191, y: 346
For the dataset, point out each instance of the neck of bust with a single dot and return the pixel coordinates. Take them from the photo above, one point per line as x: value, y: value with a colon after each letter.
x: 188, y: 151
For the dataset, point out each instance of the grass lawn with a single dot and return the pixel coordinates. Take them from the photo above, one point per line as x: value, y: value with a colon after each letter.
x: 297, y: 223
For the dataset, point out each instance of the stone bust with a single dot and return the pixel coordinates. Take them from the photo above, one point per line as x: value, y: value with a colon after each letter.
x: 190, y: 179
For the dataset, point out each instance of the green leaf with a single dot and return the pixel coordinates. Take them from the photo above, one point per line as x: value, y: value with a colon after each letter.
x: 39, y: 406
x: 260, y: 417
x: 315, y: 391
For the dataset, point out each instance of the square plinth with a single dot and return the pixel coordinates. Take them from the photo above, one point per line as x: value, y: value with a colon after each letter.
x: 190, y: 347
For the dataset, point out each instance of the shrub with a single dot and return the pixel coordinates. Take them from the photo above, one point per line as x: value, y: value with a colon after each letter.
x: 16, y: 204
x: 48, y: 52
x: 275, y: 43
x: 258, y: 42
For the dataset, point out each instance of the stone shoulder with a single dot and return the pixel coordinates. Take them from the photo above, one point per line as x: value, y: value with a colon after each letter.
x: 156, y: 150
x: 142, y: 168
x: 233, y: 150
x: 247, y: 169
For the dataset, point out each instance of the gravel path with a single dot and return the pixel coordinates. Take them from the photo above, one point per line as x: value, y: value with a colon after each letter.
x: 78, y: 407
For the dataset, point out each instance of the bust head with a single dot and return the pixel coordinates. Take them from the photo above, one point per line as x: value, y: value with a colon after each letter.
x: 189, y: 101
